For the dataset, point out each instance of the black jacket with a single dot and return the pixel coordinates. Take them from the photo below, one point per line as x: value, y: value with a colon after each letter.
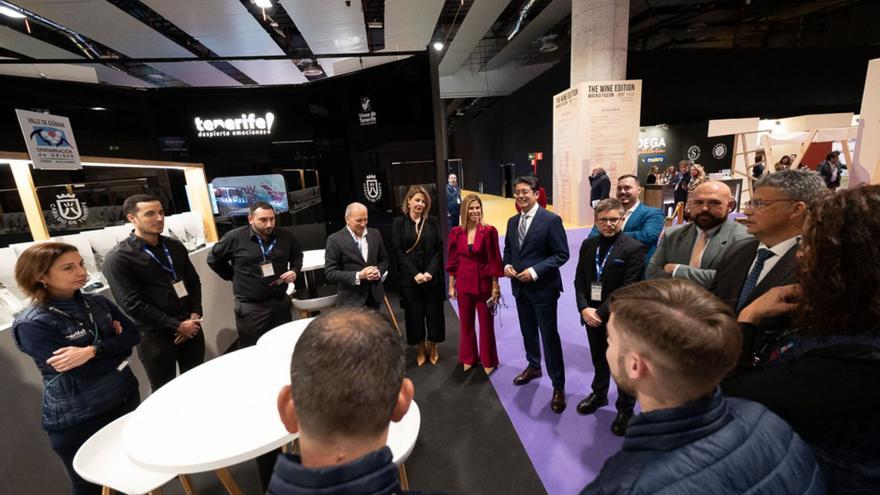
x: 143, y: 289
x: 600, y: 187
x: 427, y: 257
x: 343, y: 259
x: 712, y: 446
x: 825, y: 387
x: 372, y: 474
x: 624, y: 267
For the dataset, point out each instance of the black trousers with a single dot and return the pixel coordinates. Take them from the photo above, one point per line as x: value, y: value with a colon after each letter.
x: 66, y: 442
x: 254, y: 319
x: 538, y: 318
x: 423, y: 309
x: 161, y: 357
x: 598, y: 338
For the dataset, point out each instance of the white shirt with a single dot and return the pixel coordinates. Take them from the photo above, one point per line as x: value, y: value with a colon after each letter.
x: 628, y: 212
x: 363, y: 247
x: 779, y: 251
x: 527, y: 217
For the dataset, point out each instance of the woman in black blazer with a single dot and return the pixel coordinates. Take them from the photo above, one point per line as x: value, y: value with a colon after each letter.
x: 419, y: 249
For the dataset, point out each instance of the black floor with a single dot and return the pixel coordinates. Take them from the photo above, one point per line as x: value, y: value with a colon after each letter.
x: 466, y: 444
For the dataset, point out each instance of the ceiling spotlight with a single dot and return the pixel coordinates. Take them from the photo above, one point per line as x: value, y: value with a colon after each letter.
x: 263, y: 4
x: 312, y: 71
x: 157, y: 77
x: 438, y: 45
x: 375, y: 25
x: 9, y: 12
x: 99, y: 109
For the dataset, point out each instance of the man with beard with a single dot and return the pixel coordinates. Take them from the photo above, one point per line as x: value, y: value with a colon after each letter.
x: 670, y: 342
x: 260, y: 260
x: 640, y: 222
x: 694, y: 250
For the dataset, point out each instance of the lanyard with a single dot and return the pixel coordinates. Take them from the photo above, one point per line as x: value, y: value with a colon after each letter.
x: 81, y: 324
x: 266, y: 252
x: 170, y: 267
x: 601, y: 268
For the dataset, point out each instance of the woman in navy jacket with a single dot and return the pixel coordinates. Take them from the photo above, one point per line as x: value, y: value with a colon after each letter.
x: 80, y: 344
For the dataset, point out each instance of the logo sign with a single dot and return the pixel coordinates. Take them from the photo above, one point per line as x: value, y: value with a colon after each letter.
x: 49, y: 140
x: 719, y: 151
x: 366, y: 116
x: 693, y: 153
x: 244, y: 125
x: 372, y: 188
x: 68, y: 210
x: 652, y: 145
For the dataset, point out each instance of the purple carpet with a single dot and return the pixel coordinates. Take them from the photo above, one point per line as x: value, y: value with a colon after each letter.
x: 567, y: 449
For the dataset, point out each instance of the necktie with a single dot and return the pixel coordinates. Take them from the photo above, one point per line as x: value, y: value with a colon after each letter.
x: 699, y: 247
x: 522, y: 228
x: 752, y: 280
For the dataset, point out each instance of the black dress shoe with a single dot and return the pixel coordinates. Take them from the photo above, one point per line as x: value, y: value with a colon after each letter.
x: 618, y: 427
x: 527, y: 375
x: 591, y: 404
x: 557, y: 403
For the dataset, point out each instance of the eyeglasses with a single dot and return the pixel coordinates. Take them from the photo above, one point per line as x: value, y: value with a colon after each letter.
x: 757, y: 204
x: 610, y: 221
x: 522, y: 192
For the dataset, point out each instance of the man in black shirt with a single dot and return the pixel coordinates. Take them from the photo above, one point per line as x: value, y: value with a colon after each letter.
x: 260, y: 260
x: 154, y: 282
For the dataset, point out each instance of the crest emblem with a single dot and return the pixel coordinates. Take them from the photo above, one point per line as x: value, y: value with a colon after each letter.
x: 365, y: 103
x: 67, y: 209
x: 719, y: 151
x: 693, y: 152
x: 372, y: 188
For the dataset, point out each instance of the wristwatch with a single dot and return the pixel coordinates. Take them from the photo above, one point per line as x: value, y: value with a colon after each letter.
x: 99, y: 349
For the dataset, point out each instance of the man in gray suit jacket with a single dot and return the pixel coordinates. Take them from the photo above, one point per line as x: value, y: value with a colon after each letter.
x: 694, y: 250
x: 356, y: 261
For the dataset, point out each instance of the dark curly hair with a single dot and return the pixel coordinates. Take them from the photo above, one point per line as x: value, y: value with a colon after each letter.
x: 839, y: 271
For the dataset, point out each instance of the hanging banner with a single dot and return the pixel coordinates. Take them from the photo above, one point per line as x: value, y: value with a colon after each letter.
x: 49, y: 140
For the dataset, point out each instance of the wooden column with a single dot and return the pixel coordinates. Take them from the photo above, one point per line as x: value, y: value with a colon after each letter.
x: 24, y: 182
x: 199, y: 196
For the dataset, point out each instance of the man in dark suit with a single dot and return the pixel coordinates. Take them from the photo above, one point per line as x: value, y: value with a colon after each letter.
x: 775, y: 217
x: 605, y: 263
x: 535, y: 246
x: 830, y: 170
x: 694, y: 250
x: 356, y: 261
x: 682, y: 179
x: 640, y: 222
x: 600, y: 186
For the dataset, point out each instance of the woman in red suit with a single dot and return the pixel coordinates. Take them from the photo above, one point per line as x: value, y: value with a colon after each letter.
x: 474, y: 265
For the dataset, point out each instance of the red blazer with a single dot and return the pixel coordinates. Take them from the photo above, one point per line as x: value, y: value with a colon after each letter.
x: 474, y: 271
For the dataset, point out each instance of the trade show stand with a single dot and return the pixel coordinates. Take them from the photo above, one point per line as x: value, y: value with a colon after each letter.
x: 663, y: 195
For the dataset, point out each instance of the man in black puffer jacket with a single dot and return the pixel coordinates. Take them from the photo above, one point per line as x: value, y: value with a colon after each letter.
x: 670, y: 342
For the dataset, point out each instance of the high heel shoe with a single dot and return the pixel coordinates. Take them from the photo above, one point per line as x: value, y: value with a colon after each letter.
x: 467, y: 367
x: 435, y: 354
x: 488, y: 371
x: 420, y: 355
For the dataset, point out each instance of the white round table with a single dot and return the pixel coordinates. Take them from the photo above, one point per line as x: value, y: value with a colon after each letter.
x: 215, y: 415
x: 283, y: 338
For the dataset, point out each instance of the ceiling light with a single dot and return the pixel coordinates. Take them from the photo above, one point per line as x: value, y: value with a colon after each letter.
x: 438, y: 45
x: 157, y: 77
x: 263, y: 4
x: 312, y: 71
x: 375, y: 25
x: 8, y: 12
x: 98, y: 109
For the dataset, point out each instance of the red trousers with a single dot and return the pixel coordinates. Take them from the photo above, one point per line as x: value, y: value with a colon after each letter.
x: 467, y: 347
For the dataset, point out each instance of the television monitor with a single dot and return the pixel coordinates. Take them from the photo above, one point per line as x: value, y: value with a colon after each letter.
x: 234, y: 195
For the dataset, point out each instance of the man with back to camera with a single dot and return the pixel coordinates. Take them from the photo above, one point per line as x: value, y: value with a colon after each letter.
x: 694, y: 250
x: 640, y: 222
x: 260, y: 260
x: 775, y: 217
x: 356, y: 261
x: 830, y: 170
x: 154, y: 282
x: 600, y: 186
x: 605, y: 263
x: 535, y: 246
x: 670, y: 342
x: 346, y: 385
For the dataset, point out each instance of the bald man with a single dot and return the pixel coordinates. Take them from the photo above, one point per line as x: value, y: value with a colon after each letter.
x: 356, y: 261
x: 694, y: 250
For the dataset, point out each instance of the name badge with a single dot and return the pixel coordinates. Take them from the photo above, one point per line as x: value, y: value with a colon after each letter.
x: 180, y: 289
x: 595, y: 291
x: 267, y: 269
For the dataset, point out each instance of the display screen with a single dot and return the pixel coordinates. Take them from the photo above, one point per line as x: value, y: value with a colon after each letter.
x: 235, y: 194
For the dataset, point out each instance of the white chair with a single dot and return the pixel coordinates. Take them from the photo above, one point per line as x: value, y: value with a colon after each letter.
x: 304, y: 307
x: 102, y: 460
